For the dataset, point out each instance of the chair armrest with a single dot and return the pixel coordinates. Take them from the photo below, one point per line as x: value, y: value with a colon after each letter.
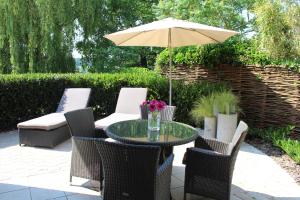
x: 208, y: 163
x: 163, y: 178
x: 212, y: 144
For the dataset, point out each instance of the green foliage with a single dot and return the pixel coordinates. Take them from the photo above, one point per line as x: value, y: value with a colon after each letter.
x: 204, y: 107
x: 110, y: 16
x: 278, y: 25
x: 224, y: 13
x: 226, y: 102
x: 25, y: 96
x: 38, y: 34
x: 280, y: 137
x: 208, y: 55
x: 235, y: 51
x: 222, y: 101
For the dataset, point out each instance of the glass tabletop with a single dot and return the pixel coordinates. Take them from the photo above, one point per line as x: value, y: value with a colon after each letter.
x: 136, y: 131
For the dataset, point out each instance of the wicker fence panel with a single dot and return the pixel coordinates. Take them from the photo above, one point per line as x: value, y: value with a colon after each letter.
x: 269, y: 96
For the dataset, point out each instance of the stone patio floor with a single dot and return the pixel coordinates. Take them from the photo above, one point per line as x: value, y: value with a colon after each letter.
x: 28, y: 173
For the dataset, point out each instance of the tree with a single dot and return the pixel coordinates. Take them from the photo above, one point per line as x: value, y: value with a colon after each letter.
x: 111, y: 16
x: 225, y: 13
x: 277, y: 24
x: 38, y: 34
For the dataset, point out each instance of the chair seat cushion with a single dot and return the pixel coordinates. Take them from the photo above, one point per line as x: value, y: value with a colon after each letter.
x: 46, y: 122
x: 113, y: 118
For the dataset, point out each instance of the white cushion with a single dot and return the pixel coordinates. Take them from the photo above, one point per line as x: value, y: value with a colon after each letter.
x: 115, y: 117
x: 242, y: 127
x: 46, y: 122
x: 73, y: 99
x: 130, y: 99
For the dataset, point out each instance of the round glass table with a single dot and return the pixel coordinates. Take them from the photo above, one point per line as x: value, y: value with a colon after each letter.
x: 136, y: 132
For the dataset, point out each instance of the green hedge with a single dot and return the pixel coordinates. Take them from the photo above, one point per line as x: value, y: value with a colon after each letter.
x: 27, y: 96
x: 234, y: 51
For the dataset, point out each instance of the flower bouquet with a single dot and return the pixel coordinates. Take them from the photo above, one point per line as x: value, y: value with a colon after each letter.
x: 152, y: 108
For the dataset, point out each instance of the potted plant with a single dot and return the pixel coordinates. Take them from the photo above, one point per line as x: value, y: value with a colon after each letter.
x: 227, y: 105
x: 204, y: 109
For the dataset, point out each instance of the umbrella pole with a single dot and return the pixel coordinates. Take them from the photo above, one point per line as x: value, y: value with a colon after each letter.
x: 170, y: 68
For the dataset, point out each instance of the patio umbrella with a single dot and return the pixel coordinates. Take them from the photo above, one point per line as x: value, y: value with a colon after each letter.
x: 170, y: 33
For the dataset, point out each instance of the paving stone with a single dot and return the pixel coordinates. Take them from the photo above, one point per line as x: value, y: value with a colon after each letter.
x: 45, y: 173
x: 16, y: 195
x: 175, y: 182
x: 84, y: 197
x: 43, y: 193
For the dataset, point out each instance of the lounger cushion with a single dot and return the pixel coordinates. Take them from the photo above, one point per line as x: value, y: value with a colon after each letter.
x: 46, y: 122
x: 129, y: 100
x: 113, y: 118
x: 73, y: 99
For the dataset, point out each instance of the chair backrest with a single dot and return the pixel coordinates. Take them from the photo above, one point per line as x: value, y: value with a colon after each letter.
x: 129, y: 170
x: 73, y: 99
x: 242, y: 127
x: 167, y: 114
x: 238, y: 138
x: 81, y: 122
x: 129, y: 100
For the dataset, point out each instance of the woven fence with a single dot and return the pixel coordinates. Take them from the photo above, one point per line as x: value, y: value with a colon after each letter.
x: 269, y: 96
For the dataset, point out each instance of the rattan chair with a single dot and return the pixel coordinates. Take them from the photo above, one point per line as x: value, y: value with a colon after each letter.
x: 85, y: 161
x: 132, y: 172
x: 209, y: 166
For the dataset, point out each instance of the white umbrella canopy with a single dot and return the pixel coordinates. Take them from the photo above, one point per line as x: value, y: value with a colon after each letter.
x: 170, y: 33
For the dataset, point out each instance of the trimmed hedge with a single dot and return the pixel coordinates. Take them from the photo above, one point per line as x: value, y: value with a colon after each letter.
x: 28, y: 96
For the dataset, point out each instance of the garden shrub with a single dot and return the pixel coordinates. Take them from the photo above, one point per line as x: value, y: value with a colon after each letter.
x: 26, y: 96
x: 234, y: 51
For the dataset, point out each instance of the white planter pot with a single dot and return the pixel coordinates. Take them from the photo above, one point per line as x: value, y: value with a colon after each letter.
x: 226, y: 127
x: 210, y: 124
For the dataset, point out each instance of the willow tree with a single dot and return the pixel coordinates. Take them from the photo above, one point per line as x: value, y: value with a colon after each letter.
x: 39, y: 35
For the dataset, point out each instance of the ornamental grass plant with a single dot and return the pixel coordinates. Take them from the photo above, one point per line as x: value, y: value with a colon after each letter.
x: 204, y: 107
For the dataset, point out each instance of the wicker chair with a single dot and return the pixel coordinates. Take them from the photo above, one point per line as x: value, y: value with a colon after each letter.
x: 209, y: 166
x: 132, y: 172
x: 85, y: 161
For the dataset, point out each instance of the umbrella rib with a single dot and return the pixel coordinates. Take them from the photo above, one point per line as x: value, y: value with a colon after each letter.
x: 131, y: 37
x: 200, y: 33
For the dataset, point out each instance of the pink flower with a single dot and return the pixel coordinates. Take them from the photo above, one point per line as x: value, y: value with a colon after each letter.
x: 152, y: 107
x: 160, y: 105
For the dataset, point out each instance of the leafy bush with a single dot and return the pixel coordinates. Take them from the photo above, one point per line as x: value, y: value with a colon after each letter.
x: 280, y: 137
x: 27, y: 96
x: 234, y: 51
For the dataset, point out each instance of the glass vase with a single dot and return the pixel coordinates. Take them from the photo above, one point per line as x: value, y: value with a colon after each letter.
x: 154, y: 121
